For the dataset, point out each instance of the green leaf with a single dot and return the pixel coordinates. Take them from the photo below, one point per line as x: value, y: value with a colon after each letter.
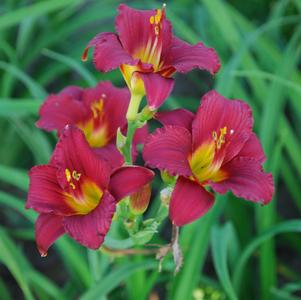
x: 36, y: 90
x: 34, y: 10
x: 221, y: 238
x: 18, y: 107
x: 288, y: 226
x: 40, y: 281
x: 8, y: 255
x: 73, y: 64
x: 15, y: 177
x: 110, y: 282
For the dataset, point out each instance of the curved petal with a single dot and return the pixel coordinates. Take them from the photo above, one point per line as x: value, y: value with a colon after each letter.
x: 108, y: 52
x: 157, y: 88
x: 189, y: 201
x: 45, y: 194
x: 115, y: 105
x: 128, y: 180
x: 73, y: 91
x: 216, y: 112
x: 179, y: 117
x: 73, y: 152
x: 247, y: 180
x: 185, y: 57
x: 59, y: 110
x: 253, y: 149
x: 111, y: 154
x: 90, y: 230
x: 168, y: 149
x: 134, y: 29
x: 48, y: 228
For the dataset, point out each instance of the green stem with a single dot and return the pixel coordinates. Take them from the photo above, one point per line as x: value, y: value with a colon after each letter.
x: 133, y: 108
x: 132, y: 126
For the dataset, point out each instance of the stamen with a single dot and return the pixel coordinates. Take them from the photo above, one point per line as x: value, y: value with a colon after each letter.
x: 72, y: 185
x: 158, y: 16
x: 219, y: 140
x: 152, y: 20
x: 68, y: 175
x: 223, y: 131
x: 214, y: 135
x: 76, y: 175
x: 97, y: 107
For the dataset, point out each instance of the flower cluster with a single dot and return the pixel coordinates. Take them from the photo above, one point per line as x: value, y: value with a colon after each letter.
x: 91, y: 178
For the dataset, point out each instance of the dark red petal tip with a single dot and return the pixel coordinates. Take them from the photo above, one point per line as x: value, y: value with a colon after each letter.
x: 48, y: 229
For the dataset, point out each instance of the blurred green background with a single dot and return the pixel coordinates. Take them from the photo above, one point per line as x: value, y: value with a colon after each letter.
x: 237, y: 251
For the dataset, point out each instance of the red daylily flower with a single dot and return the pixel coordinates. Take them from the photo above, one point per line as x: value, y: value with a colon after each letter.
x: 77, y: 192
x: 214, y: 148
x: 148, y: 54
x: 98, y: 112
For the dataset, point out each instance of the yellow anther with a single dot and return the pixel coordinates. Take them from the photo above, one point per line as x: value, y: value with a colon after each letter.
x: 72, y: 185
x: 219, y: 140
x: 158, y: 16
x: 223, y: 131
x: 97, y: 108
x: 152, y: 20
x: 214, y: 135
x: 68, y: 175
x: 76, y: 175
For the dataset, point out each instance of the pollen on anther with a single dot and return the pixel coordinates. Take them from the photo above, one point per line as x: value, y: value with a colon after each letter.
x: 152, y: 20
x: 214, y: 135
x: 76, y: 175
x: 68, y: 175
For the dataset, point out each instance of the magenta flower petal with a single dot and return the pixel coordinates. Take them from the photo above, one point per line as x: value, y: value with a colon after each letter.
x: 168, y: 149
x: 179, y: 117
x: 253, y: 149
x: 189, y: 201
x: 72, y: 91
x: 59, y: 110
x: 247, y: 180
x: 185, y: 57
x: 108, y: 52
x: 111, y: 154
x: 44, y: 194
x: 73, y: 152
x: 90, y: 230
x: 216, y: 112
x: 48, y: 229
x: 134, y: 29
x: 115, y: 105
x: 128, y: 180
x: 157, y: 88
